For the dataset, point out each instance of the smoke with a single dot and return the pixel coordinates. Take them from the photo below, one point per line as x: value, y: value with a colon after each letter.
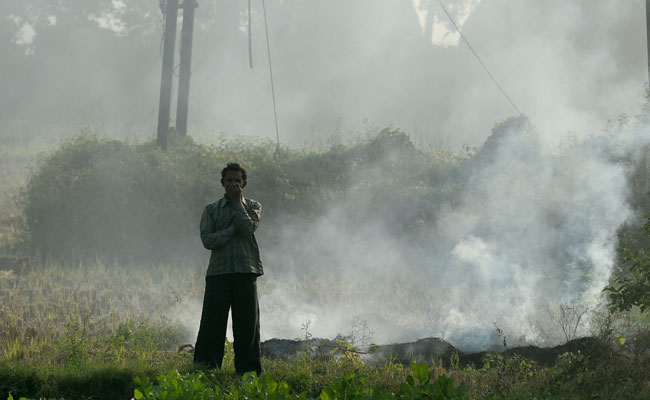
x: 530, y: 230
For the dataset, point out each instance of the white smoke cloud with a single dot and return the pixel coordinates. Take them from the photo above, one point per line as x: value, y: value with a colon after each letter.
x: 531, y: 230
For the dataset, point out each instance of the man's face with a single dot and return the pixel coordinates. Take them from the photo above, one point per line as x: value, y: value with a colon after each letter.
x: 233, y: 182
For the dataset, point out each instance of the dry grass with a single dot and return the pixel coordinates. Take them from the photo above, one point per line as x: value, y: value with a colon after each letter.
x: 37, y: 305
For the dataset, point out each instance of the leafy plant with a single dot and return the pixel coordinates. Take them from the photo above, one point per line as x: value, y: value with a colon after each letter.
x: 349, y: 386
x: 421, y: 385
x: 174, y: 386
x: 631, y: 289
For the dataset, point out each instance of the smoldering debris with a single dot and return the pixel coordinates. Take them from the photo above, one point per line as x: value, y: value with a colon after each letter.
x: 424, y: 350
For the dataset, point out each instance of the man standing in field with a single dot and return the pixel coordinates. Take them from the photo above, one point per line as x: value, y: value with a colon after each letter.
x: 227, y: 228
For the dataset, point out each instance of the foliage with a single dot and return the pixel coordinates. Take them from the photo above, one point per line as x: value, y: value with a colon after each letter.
x: 105, y: 198
x: 348, y: 385
x: 175, y: 386
x: 631, y: 288
x: 600, y: 374
x: 504, y: 373
x: 427, y: 388
x: 200, y: 386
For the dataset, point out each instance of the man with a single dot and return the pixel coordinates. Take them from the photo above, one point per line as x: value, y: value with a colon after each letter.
x: 227, y: 228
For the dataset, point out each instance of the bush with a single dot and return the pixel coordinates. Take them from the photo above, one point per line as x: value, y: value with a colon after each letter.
x: 102, y: 198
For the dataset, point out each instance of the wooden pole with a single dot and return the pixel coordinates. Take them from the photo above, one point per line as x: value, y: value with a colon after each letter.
x: 185, y: 70
x: 167, y: 73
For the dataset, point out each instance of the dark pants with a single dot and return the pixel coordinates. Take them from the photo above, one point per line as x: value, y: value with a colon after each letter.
x: 223, y: 292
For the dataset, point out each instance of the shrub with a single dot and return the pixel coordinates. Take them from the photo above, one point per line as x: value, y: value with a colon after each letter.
x: 103, y: 198
x: 108, y: 199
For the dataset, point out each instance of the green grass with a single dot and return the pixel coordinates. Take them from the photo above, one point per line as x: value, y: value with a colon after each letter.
x: 575, y: 376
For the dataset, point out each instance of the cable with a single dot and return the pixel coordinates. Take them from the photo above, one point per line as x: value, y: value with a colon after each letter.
x: 268, y: 49
x: 479, y: 59
x: 162, y: 38
x: 250, y: 37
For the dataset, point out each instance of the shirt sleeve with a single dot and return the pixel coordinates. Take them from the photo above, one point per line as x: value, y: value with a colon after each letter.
x: 211, y: 238
x: 248, y: 218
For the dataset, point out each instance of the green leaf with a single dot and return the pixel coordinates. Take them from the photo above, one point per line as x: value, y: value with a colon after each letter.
x: 137, y: 394
x: 420, y: 372
x: 327, y: 394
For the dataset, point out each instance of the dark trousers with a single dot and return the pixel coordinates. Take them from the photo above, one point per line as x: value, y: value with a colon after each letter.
x: 222, y: 293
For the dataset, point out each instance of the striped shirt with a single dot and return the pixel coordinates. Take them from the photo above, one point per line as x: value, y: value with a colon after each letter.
x: 232, y: 251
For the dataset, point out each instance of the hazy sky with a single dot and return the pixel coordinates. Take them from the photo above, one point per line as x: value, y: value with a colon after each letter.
x: 568, y: 65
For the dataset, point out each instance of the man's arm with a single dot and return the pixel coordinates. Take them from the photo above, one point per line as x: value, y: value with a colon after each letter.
x: 247, y: 221
x: 211, y: 238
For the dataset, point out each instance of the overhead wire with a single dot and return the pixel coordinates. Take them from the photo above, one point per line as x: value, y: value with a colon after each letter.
x: 479, y: 59
x: 164, y: 23
x: 268, y: 49
x: 250, y: 37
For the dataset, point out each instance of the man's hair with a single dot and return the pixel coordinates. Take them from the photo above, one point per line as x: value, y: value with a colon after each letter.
x: 233, y: 167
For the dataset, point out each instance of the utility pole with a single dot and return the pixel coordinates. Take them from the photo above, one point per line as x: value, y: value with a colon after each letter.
x: 185, y: 70
x: 167, y: 73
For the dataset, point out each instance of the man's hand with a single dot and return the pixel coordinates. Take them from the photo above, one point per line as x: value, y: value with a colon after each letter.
x: 233, y: 183
x: 234, y: 192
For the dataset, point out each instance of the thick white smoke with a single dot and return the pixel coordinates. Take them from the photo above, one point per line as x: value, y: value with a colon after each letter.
x: 531, y: 230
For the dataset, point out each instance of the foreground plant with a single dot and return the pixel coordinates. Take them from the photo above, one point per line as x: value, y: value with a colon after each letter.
x: 349, y: 385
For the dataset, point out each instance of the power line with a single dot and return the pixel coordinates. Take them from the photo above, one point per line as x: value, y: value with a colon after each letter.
x: 250, y: 37
x: 268, y: 49
x: 479, y: 59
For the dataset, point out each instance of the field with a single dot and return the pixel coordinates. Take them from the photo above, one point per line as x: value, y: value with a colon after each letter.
x: 73, y: 332
x: 100, y: 329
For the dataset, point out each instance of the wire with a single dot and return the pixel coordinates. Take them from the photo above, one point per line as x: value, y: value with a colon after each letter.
x: 250, y: 37
x: 479, y: 59
x: 164, y: 24
x: 268, y: 49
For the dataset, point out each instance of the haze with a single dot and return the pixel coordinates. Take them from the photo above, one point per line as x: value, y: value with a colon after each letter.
x: 339, y: 66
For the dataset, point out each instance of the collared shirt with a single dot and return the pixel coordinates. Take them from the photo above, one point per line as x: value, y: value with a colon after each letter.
x: 234, y: 250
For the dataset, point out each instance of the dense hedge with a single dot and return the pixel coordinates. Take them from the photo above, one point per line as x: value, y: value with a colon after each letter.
x: 96, y: 197
x: 104, y: 198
